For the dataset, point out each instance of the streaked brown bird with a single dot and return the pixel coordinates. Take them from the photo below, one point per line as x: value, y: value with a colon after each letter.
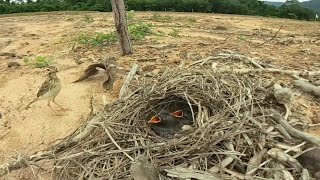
x: 49, y: 89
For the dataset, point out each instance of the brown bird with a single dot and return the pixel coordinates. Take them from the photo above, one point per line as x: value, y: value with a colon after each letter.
x: 93, y: 69
x: 49, y: 89
x: 171, y: 120
x: 111, y: 75
x: 90, y: 71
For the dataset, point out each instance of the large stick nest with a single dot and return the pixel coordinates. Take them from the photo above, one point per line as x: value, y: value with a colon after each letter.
x: 230, y: 121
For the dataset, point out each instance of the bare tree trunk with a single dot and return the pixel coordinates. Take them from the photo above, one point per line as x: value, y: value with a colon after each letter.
x: 120, y: 19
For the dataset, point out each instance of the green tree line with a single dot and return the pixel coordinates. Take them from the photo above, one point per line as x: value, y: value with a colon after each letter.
x: 292, y: 9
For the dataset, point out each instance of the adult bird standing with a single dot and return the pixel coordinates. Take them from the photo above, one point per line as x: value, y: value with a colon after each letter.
x: 49, y: 89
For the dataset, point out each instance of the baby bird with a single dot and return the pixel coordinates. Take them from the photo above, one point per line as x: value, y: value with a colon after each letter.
x: 49, y: 89
x: 167, y: 124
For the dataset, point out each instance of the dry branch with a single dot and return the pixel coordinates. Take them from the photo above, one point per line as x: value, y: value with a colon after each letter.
x: 124, y: 89
x: 255, y: 161
x: 21, y: 162
x: 294, y: 132
x: 275, y: 35
x: 119, y: 13
x: 307, y: 87
x: 270, y: 70
x: 142, y: 169
x: 183, y: 173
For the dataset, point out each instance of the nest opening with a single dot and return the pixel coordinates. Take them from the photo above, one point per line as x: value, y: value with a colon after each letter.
x: 172, y: 114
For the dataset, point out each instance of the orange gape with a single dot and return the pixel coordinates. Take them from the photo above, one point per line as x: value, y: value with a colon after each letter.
x: 177, y: 114
x: 155, y: 120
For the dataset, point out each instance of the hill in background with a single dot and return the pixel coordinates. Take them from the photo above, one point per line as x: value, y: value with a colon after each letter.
x: 313, y: 4
x: 277, y: 4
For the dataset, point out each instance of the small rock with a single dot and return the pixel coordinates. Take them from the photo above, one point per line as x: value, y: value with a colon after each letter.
x: 13, y: 64
x: 222, y: 28
x: 317, y: 83
x: 156, y: 71
x: 24, y: 44
x: 80, y: 61
x: 148, y: 67
x: 6, y: 42
x: 0, y: 115
x: 315, y: 117
x: 9, y: 54
x: 186, y: 127
x: 307, y: 50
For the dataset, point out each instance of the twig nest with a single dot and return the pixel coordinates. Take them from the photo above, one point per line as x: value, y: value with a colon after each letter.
x: 211, y: 104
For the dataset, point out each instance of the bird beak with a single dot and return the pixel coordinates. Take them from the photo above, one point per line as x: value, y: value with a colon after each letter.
x: 177, y: 114
x: 154, y: 120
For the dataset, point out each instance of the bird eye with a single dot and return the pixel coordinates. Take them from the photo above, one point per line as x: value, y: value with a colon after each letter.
x: 154, y: 120
x: 178, y: 114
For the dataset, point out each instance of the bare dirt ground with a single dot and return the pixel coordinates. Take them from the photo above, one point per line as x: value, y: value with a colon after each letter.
x: 52, y: 35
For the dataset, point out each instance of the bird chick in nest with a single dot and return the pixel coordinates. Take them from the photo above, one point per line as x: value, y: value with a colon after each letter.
x: 170, y: 121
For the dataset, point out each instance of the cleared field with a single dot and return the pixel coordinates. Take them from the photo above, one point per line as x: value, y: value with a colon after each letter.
x: 177, y: 38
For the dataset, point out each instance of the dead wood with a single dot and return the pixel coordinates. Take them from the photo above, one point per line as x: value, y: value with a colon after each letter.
x: 307, y: 87
x: 294, y: 132
x: 255, y: 161
x: 183, y: 173
x: 17, y: 164
x: 142, y: 169
x: 284, y: 96
x: 120, y: 18
x: 270, y: 70
x: 285, y: 158
x: 124, y: 89
x: 275, y: 35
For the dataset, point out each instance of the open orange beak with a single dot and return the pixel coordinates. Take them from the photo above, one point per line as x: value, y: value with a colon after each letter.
x: 154, y: 120
x: 177, y: 114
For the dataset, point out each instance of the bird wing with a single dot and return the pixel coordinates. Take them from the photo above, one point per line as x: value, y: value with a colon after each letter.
x: 90, y: 71
x: 45, y: 87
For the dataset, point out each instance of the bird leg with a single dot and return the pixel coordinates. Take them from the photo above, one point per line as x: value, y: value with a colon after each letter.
x: 53, y: 100
x: 51, y: 107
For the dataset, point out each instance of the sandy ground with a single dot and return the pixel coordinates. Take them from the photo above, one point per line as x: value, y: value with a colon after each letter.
x: 52, y: 35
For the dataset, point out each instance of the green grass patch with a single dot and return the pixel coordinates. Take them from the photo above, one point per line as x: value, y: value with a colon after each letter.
x: 88, y: 18
x: 97, y: 39
x: 175, y: 33
x: 38, y: 62
x: 157, y: 17
x: 192, y: 20
x: 139, y: 30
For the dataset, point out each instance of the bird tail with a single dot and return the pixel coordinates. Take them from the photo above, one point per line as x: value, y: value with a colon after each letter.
x: 81, y: 79
x: 28, y: 106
